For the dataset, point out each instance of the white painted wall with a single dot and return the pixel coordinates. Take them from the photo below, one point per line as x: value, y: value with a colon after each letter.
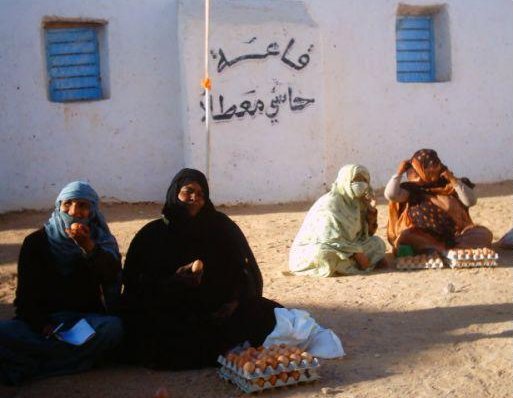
x: 374, y: 120
x: 130, y: 145
x: 276, y: 154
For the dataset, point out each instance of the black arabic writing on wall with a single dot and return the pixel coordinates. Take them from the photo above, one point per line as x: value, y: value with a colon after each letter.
x: 273, y: 49
x: 256, y: 107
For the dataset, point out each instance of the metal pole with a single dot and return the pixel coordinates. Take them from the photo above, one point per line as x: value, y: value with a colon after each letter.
x: 206, y: 85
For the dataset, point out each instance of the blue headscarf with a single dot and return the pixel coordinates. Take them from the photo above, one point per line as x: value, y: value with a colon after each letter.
x: 63, y: 248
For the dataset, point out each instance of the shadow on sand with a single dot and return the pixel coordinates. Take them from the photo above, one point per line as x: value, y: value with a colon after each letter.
x: 411, y: 333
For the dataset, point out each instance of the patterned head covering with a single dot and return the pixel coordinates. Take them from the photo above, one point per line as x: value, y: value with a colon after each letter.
x: 63, y: 248
x: 427, y: 166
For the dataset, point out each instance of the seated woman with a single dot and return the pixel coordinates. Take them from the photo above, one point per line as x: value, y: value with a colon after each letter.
x: 337, y: 233
x: 429, y: 212
x: 192, y: 286
x: 63, y: 268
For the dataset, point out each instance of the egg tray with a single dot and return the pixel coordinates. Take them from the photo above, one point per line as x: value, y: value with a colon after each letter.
x: 252, y: 385
x: 269, y: 371
x: 422, y: 261
x: 471, y: 258
x: 473, y: 264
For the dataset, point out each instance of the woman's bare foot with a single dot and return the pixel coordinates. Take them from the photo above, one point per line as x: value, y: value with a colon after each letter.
x: 362, y: 260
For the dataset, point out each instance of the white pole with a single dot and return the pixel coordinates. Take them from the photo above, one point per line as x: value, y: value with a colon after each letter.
x: 206, y: 85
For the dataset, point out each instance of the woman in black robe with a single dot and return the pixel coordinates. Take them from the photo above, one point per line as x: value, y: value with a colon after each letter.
x: 178, y: 317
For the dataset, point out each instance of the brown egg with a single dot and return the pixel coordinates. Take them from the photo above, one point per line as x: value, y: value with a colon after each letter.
x: 283, y: 345
x: 261, y: 348
x: 231, y: 357
x: 249, y: 367
x: 284, y: 360
x: 295, y: 357
x: 271, y: 353
x: 307, y: 357
x: 197, y: 266
x: 295, y: 375
x: 283, y: 351
x: 273, y: 379
x: 260, y: 364
x: 296, y: 350
x: 272, y: 362
x: 251, y: 351
x: 241, y: 361
x: 162, y: 392
x: 283, y: 376
x: 259, y: 382
x: 77, y: 227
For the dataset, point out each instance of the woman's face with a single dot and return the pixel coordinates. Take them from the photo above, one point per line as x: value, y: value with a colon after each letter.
x: 359, y: 178
x: 432, y: 175
x: 77, y: 208
x: 193, y: 196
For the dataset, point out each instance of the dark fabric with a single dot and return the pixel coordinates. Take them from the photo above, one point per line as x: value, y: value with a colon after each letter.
x: 176, y: 211
x: 171, y: 324
x: 166, y: 319
x: 42, y: 289
x: 430, y: 218
x: 207, y: 226
x: 25, y: 354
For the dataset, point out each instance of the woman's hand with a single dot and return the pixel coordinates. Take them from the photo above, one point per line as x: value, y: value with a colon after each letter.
x: 81, y: 234
x: 190, y: 274
x: 372, y: 220
x: 226, y: 310
x: 403, y: 166
x: 449, y: 176
x: 47, y: 330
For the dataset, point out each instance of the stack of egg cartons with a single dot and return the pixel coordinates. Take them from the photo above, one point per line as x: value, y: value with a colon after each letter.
x: 258, y: 369
x: 465, y: 258
x: 422, y: 261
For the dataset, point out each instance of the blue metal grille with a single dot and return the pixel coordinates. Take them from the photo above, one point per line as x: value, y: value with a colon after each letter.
x: 415, y: 49
x: 73, y: 64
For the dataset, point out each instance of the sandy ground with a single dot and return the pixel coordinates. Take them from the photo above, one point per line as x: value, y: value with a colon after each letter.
x: 405, y: 334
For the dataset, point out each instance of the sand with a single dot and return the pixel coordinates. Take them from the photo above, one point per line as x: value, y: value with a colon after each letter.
x: 406, y: 334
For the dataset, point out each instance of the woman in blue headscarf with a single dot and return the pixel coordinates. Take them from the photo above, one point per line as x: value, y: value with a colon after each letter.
x: 68, y: 271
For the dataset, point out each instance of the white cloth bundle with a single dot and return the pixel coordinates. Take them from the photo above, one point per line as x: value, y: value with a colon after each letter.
x: 297, y: 328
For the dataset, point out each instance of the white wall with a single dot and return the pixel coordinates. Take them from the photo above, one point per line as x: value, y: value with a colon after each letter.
x: 130, y: 145
x: 374, y: 120
x: 277, y: 153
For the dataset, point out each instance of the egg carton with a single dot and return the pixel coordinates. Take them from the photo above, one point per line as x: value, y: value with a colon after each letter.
x: 268, y: 371
x: 422, y: 261
x: 472, y: 258
x: 283, y: 379
x: 473, y: 264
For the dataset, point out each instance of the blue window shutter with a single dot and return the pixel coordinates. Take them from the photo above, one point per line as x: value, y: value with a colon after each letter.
x: 415, y: 54
x: 73, y: 64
